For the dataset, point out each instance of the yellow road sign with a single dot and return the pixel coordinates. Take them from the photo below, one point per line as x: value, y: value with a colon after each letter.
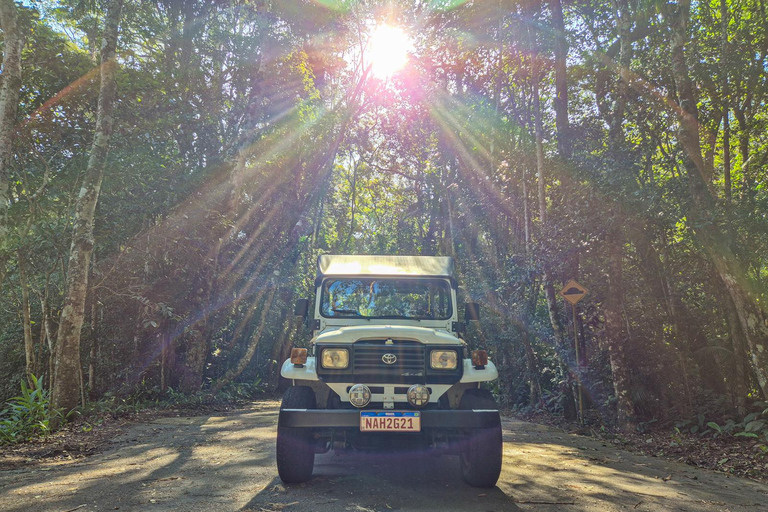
x: 573, y: 292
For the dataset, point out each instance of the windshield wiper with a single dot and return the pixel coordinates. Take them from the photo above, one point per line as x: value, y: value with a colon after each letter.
x: 346, y: 311
x: 395, y: 317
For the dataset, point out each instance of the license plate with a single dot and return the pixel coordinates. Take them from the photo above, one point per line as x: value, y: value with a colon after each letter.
x: 390, y: 421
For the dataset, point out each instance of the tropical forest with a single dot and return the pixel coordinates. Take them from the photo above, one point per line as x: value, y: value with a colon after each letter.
x: 171, y: 171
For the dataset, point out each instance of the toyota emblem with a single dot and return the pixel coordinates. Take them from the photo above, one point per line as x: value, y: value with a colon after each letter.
x: 389, y: 358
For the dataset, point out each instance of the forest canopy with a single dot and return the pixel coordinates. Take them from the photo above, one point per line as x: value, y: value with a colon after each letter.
x: 171, y: 170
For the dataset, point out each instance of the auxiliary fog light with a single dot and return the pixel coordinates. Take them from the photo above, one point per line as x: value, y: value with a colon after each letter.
x: 418, y: 395
x: 359, y: 395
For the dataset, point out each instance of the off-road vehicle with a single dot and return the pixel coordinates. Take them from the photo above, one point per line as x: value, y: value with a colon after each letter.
x: 387, y: 367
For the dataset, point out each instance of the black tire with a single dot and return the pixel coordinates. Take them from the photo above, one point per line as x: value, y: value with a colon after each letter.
x: 295, y: 448
x: 481, y: 453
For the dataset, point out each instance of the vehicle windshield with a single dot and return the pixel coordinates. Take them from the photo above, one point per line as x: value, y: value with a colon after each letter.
x: 417, y: 299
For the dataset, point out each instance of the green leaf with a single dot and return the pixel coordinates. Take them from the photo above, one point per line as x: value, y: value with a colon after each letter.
x: 754, y: 426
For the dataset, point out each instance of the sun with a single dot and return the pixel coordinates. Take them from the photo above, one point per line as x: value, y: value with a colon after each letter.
x: 387, y: 51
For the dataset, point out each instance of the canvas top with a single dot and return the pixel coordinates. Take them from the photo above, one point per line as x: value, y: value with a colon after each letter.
x: 366, y: 265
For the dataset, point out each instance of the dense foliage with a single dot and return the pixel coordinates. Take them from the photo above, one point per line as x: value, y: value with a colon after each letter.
x: 27, y: 415
x: 621, y: 144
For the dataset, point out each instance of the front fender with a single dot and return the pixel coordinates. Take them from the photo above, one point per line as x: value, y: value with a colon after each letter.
x: 487, y: 374
x: 306, y: 372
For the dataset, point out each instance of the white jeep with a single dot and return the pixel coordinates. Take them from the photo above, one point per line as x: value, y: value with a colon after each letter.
x: 387, y: 367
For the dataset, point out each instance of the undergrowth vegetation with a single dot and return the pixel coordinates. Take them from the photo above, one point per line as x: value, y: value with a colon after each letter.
x: 754, y: 426
x: 152, y: 397
x: 28, y: 415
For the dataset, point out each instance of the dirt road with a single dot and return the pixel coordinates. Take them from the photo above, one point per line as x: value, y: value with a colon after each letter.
x: 228, y: 463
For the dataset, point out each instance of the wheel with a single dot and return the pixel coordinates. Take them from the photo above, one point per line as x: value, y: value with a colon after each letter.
x: 295, y: 449
x: 481, y: 454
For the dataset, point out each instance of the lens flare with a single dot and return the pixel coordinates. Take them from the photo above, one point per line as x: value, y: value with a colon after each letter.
x: 387, y: 51
x: 445, y: 5
x: 335, y: 5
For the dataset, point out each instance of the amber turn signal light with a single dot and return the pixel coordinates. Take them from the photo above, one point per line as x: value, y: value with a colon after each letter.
x: 479, y: 358
x: 299, y: 356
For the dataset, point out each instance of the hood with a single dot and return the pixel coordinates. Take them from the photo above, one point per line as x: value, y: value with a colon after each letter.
x: 355, y: 333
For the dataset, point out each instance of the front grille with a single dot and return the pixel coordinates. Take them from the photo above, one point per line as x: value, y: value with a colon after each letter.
x: 367, y: 366
x: 369, y: 354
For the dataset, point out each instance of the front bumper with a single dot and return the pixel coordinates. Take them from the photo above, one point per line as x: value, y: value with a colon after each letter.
x: 350, y: 418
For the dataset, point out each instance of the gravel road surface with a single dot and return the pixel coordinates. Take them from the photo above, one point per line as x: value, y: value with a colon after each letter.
x: 227, y: 462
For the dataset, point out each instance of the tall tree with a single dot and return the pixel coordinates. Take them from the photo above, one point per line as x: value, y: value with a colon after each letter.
x: 705, y: 222
x: 67, y: 373
x: 548, y: 283
x: 10, y: 85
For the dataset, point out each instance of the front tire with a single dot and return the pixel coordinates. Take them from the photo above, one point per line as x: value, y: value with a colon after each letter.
x: 482, y: 452
x: 295, y: 447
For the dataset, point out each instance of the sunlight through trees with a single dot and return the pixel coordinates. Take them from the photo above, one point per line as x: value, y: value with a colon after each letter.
x: 619, y: 144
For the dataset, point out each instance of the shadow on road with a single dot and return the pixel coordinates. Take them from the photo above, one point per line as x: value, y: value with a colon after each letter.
x: 175, y: 463
x: 224, y: 463
x: 381, y: 481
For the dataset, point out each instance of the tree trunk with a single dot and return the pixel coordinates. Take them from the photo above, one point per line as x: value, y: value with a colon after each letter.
x: 614, y: 336
x: 561, y: 80
x: 281, y: 351
x: 352, y: 203
x: 726, y: 153
x: 92, y: 361
x: 531, y: 360
x: 539, y: 131
x: 711, y: 145
x: 40, y: 348
x: 165, y: 341
x: 547, y: 279
x: 233, y: 373
x: 562, y: 126
x: 195, y: 355
x: 739, y: 387
x: 49, y: 327
x: 10, y: 85
x: 197, y: 340
x: 656, y: 277
x: 67, y: 360
x: 747, y: 185
x: 614, y: 304
x: 526, y: 214
x: 549, y: 288
x: 94, y: 347
x: 702, y: 215
x: 725, y: 93
x: 29, y: 344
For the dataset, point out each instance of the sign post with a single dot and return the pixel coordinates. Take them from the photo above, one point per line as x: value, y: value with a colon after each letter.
x: 573, y: 292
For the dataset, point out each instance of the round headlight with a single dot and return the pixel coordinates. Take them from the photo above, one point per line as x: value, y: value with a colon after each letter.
x: 335, y: 358
x: 418, y: 395
x: 443, y: 359
x: 359, y: 395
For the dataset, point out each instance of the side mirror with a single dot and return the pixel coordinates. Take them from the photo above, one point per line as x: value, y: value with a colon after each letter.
x: 471, y: 311
x: 302, y: 308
